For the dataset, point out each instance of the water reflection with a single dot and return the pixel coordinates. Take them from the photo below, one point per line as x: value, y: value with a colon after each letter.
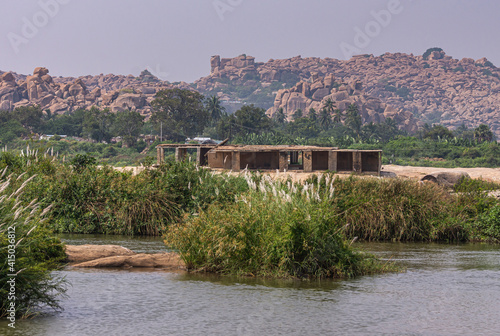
x: 446, y: 290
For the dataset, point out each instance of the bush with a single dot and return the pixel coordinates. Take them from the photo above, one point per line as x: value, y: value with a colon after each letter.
x: 488, y: 224
x: 273, y: 230
x: 37, y: 253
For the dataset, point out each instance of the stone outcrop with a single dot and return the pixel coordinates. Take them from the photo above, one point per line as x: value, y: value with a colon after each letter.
x: 446, y: 179
x: 59, y: 95
x: 118, y: 256
x: 438, y: 89
x: 83, y: 253
x: 170, y: 261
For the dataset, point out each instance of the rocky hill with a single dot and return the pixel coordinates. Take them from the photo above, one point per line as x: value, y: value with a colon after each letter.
x: 434, y: 87
x: 61, y: 94
x: 315, y: 92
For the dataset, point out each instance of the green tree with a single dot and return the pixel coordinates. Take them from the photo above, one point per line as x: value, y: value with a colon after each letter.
x: 325, y: 119
x: 248, y: 119
x: 30, y: 117
x: 313, y: 116
x: 297, y: 114
x: 438, y: 132
x: 97, y: 124
x: 353, y: 119
x: 214, y: 108
x: 128, y: 125
x: 180, y: 112
x: 279, y: 116
x: 483, y: 133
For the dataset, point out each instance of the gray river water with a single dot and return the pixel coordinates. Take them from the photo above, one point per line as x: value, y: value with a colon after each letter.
x: 445, y: 290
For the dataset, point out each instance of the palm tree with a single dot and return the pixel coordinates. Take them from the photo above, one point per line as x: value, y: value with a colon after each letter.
x: 279, y: 116
x: 353, y: 120
x: 329, y: 105
x: 312, y: 114
x: 214, y: 108
x: 337, y: 116
x: 324, y: 119
x: 483, y: 133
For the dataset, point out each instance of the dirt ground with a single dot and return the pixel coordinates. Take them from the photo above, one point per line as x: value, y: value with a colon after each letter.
x: 488, y: 174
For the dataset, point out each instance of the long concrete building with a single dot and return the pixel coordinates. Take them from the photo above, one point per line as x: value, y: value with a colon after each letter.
x: 282, y: 158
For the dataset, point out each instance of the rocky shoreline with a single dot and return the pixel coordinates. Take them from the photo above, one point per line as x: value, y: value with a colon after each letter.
x: 114, y: 256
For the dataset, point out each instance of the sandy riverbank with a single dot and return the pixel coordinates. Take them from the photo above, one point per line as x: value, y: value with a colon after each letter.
x: 489, y: 174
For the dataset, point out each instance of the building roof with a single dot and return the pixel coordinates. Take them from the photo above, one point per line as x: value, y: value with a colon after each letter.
x: 269, y: 148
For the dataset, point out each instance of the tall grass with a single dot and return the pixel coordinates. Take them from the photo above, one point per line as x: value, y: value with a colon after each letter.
x: 276, y: 229
x: 37, y: 253
x: 91, y: 199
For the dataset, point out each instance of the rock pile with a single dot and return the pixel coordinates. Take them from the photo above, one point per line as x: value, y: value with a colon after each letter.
x: 438, y: 89
x: 118, y: 93
x: 318, y: 90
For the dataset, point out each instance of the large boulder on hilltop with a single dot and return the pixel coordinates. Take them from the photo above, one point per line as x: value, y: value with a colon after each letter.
x: 7, y: 77
x: 40, y: 71
x: 128, y: 101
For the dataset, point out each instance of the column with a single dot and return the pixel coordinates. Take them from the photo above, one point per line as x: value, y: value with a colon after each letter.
x: 332, y: 161
x: 283, y: 165
x: 308, y: 162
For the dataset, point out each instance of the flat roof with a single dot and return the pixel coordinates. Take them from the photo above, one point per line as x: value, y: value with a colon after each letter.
x: 186, y: 145
x: 269, y: 148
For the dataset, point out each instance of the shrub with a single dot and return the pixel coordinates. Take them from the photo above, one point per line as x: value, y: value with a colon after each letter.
x: 488, y: 224
x: 275, y: 229
x: 37, y: 253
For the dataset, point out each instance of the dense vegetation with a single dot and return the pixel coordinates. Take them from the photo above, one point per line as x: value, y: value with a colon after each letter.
x: 24, y: 235
x: 250, y: 224
x: 179, y: 114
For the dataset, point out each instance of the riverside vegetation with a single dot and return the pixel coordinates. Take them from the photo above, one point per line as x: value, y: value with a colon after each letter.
x: 248, y: 224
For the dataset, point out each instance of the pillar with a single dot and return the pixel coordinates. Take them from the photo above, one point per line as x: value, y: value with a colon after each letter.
x: 180, y: 154
x: 332, y: 161
x: 236, y: 161
x: 159, y: 151
x: 356, y: 162
x: 283, y: 165
x: 308, y: 162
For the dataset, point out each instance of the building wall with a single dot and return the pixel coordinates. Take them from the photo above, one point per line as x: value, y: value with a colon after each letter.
x: 259, y: 160
x: 220, y: 160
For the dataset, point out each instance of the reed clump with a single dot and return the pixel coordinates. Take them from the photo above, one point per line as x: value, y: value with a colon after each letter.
x: 278, y: 229
x: 28, y: 253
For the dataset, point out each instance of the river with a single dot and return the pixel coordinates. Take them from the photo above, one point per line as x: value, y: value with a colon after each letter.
x: 445, y: 290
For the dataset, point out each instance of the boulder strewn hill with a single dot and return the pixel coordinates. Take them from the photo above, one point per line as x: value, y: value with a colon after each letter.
x: 434, y: 87
x: 315, y: 93
x: 63, y: 94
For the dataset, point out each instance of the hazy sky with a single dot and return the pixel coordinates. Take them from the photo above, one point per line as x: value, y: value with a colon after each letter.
x: 174, y: 39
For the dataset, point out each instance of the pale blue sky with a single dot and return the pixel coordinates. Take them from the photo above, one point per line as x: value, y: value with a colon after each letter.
x: 175, y: 38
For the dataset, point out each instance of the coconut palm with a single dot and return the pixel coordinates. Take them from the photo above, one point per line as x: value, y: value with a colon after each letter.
x: 325, y: 119
x: 214, y: 108
x: 483, y: 133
